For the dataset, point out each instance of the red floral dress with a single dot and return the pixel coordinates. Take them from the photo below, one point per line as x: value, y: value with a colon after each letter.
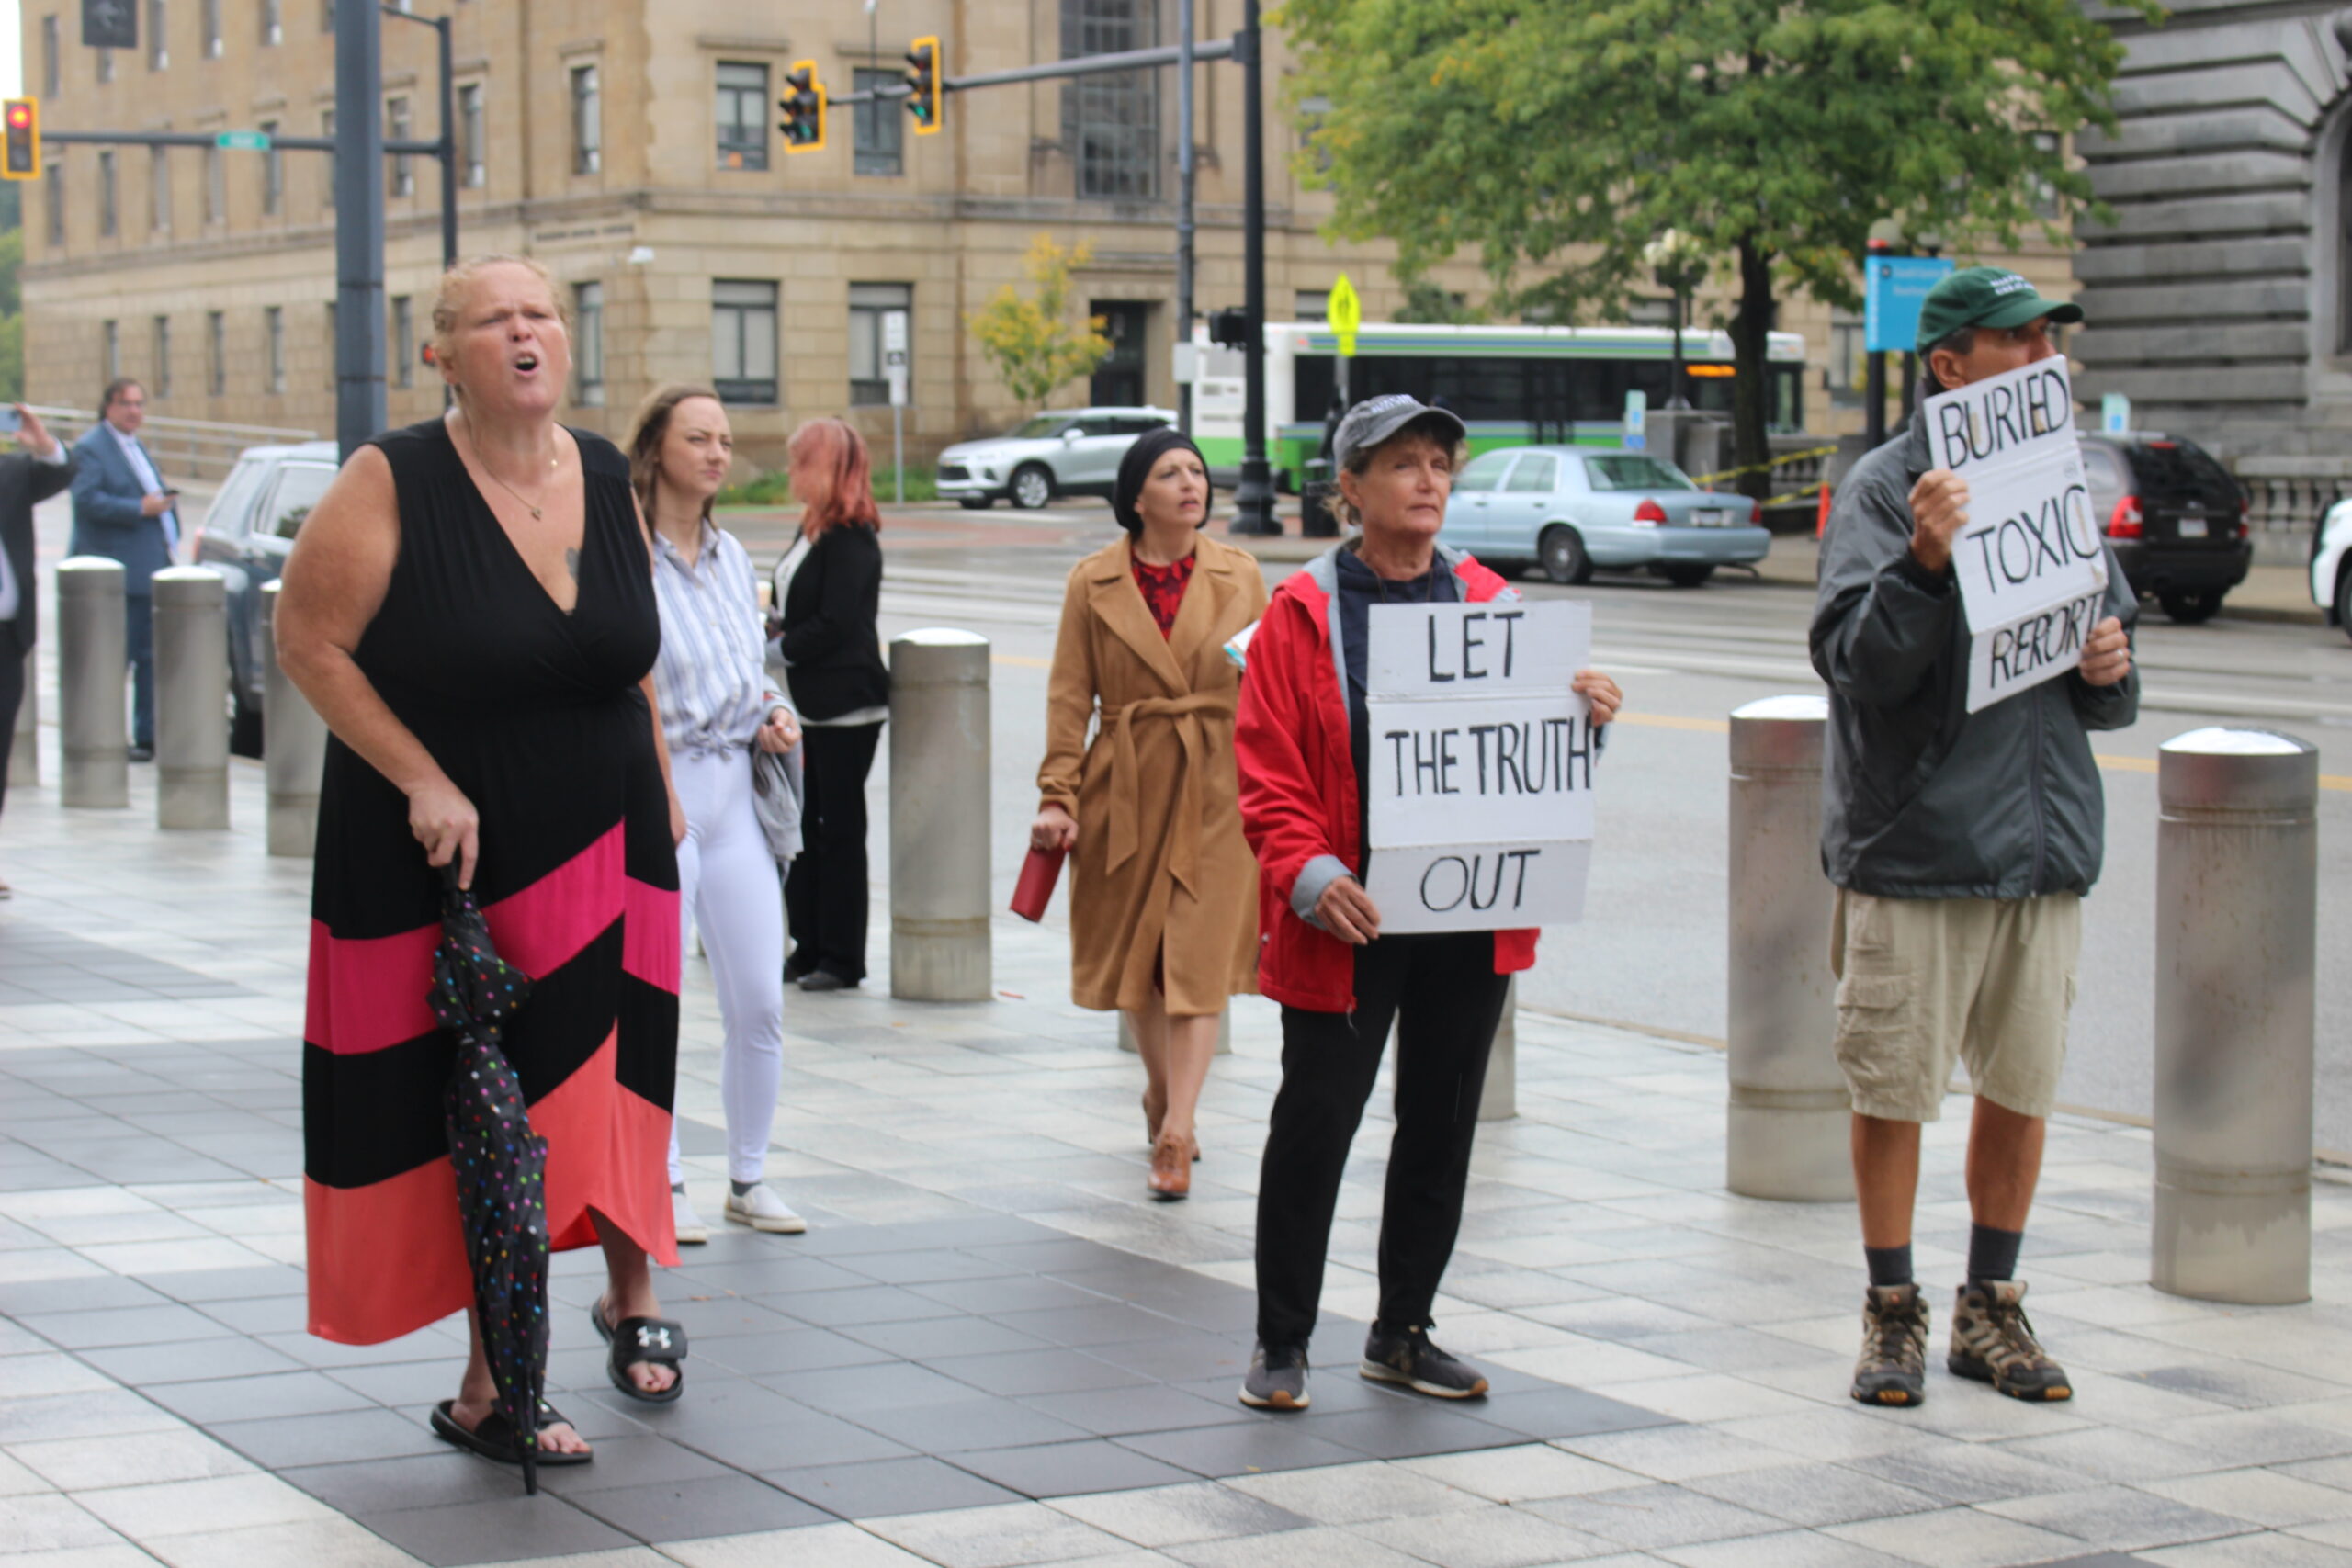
x: 1162, y: 588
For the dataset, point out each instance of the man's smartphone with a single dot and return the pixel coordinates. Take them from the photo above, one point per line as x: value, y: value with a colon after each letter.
x: 170, y: 490
x: 11, y: 421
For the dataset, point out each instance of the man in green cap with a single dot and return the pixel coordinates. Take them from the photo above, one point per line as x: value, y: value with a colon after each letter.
x: 1961, y: 845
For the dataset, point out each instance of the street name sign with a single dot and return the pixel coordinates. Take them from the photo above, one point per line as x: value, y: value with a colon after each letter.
x: 2030, y: 561
x: 1480, y: 777
x: 243, y: 140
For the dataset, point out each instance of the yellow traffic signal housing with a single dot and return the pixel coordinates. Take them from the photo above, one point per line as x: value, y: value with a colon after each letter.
x: 20, y: 119
x: 804, y: 109
x: 927, y: 89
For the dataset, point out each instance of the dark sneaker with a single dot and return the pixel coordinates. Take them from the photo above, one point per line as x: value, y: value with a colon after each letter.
x: 1992, y: 1342
x: 1405, y: 1357
x: 1277, y: 1379
x: 1892, y: 1366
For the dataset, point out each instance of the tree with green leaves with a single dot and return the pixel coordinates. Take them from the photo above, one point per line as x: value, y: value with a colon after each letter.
x: 1030, y: 339
x: 1557, y: 139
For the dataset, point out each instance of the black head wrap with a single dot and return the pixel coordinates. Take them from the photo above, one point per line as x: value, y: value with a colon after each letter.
x: 1135, y: 468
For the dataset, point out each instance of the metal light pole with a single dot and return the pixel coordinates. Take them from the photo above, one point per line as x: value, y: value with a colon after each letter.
x: 1184, y: 181
x: 360, y: 410
x: 1253, y: 502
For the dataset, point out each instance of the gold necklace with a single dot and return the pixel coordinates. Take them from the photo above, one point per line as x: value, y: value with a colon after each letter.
x: 553, y: 463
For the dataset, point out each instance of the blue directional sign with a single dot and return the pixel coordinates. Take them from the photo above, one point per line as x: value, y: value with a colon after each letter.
x: 1892, y: 287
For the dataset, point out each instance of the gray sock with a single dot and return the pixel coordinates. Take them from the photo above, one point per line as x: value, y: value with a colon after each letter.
x: 741, y: 1187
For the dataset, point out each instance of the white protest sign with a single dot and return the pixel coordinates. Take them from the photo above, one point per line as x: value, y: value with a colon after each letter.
x: 2031, y: 565
x: 1480, y: 778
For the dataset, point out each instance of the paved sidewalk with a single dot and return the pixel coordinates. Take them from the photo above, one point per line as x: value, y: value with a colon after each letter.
x: 990, y: 1350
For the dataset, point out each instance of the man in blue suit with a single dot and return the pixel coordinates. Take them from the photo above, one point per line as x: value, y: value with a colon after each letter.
x: 122, y: 510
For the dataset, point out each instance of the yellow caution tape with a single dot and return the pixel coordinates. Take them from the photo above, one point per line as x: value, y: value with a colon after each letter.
x: 1759, y: 468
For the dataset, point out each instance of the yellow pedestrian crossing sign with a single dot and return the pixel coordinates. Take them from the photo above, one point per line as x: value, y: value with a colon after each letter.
x: 1344, y: 312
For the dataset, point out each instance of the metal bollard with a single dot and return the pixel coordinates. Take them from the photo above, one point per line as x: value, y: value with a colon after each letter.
x: 1224, y: 1034
x: 2237, y: 890
x: 1499, y: 1101
x: 1791, y: 1119
x: 24, y: 752
x: 191, y: 698
x: 92, y: 660
x: 939, y: 816
x: 294, y: 747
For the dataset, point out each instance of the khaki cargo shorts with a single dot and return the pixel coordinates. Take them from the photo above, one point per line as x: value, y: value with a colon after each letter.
x: 1925, y: 981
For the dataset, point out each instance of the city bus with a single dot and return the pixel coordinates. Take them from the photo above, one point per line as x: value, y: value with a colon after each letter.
x: 1511, y: 385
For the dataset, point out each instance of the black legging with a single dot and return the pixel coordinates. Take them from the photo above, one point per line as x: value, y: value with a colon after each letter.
x: 1446, y: 998
x: 824, y: 894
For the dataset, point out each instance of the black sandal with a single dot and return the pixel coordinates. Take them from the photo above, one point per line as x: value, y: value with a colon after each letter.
x: 493, y: 1437
x: 642, y: 1341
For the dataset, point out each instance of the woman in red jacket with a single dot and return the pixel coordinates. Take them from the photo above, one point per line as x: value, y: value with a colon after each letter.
x: 1302, y: 743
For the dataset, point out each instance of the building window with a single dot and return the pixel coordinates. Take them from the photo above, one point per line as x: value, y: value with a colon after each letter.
x: 588, y: 344
x: 211, y: 18
x: 326, y: 164
x: 273, y: 24
x: 110, y: 350
x: 1846, y: 376
x: 216, y: 352
x: 51, y: 58
x: 53, y: 201
x: 869, y: 375
x: 106, y: 193
x: 396, y: 128
x: 742, y: 341
x: 1111, y: 124
x: 159, y: 190
x: 273, y: 324
x: 216, y: 185
x: 881, y: 127
x: 472, y: 170
x: 1312, y: 304
x: 159, y: 54
x: 742, y: 114
x: 105, y: 65
x: 273, y: 172
x: 587, y: 122
x: 403, y: 341
x: 162, y: 378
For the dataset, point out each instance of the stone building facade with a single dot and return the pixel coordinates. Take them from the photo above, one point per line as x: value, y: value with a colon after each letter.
x: 2219, y: 296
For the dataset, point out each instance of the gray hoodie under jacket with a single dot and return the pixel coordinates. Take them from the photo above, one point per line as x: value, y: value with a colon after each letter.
x: 1921, y: 798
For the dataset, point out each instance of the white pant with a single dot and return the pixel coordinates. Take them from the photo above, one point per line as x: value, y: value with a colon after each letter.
x: 727, y: 887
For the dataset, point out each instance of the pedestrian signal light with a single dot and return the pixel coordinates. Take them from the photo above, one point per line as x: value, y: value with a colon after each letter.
x: 804, y: 109
x: 21, y: 161
x: 927, y: 92
x: 1229, y: 328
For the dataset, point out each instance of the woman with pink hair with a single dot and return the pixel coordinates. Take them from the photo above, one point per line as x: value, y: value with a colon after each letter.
x: 829, y: 589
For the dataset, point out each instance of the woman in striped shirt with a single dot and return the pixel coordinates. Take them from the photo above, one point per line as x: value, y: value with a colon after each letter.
x: 717, y: 705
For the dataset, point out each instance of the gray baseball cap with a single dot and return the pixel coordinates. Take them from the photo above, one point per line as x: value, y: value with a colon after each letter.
x: 1376, y: 419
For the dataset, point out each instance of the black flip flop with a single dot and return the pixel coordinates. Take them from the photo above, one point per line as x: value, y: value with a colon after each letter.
x: 642, y: 1341
x: 493, y: 1439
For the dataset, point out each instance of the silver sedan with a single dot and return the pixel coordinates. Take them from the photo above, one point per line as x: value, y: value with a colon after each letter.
x: 1571, y: 509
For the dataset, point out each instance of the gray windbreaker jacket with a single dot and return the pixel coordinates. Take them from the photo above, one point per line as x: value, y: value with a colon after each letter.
x: 1920, y: 798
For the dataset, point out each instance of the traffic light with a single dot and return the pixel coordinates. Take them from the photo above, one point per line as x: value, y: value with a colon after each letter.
x: 928, y: 99
x: 804, y: 109
x: 22, y: 159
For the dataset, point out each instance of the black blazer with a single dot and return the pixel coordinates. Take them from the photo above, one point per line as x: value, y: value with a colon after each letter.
x: 832, y: 651
x: 24, y: 481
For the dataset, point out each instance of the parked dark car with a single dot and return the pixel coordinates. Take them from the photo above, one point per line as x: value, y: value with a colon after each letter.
x: 2176, y: 517
x: 247, y: 531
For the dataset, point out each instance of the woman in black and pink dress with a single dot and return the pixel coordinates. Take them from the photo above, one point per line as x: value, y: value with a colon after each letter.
x: 470, y: 608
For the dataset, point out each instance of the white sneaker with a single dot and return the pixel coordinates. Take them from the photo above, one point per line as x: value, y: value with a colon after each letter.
x: 691, y: 1231
x: 763, y: 1211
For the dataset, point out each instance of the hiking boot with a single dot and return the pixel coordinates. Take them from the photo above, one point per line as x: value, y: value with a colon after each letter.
x: 1277, y: 1379
x: 1406, y: 1358
x: 1892, y: 1366
x: 1993, y: 1342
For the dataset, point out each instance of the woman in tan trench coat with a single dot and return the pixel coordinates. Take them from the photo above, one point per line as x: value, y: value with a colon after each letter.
x: 1163, y: 889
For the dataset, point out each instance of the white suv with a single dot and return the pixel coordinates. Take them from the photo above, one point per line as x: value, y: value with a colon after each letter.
x: 1061, y: 452
x: 2332, y: 565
